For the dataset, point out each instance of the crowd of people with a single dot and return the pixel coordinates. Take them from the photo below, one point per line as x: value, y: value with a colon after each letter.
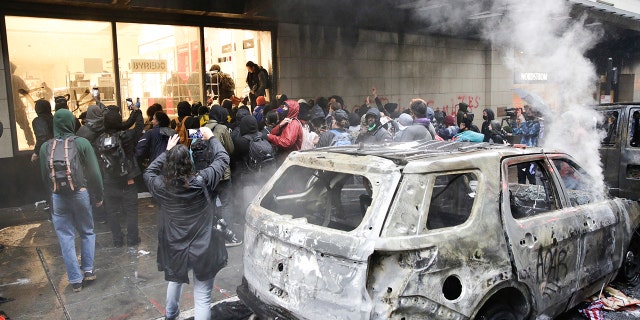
x: 92, y: 167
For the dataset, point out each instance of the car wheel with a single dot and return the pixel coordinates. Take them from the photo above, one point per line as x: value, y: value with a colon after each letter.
x: 498, y: 311
x: 630, y: 269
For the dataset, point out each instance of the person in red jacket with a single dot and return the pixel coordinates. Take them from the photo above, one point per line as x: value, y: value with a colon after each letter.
x: 287, y: 135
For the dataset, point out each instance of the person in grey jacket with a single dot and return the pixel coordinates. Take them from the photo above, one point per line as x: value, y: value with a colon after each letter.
x: 186, y: 238
x: 373, y: 132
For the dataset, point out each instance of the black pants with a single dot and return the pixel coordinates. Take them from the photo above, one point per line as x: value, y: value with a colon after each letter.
x: 122, y: 198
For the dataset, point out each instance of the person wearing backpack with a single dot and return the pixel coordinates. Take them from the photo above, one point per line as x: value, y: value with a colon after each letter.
x: 116, y: 148
x: 72, y: 194
x: 338, y: 135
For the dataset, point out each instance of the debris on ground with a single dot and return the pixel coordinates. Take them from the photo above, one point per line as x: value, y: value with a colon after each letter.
x: 611, y: 299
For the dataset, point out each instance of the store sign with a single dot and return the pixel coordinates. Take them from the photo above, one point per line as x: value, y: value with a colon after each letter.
x: 531, y: 77
x: 148, y: 65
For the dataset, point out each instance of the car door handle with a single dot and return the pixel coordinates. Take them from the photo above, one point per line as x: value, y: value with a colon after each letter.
x: 529, y: 240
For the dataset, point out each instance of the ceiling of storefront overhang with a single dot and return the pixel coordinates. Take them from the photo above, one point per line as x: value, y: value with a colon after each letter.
x: 401, y: 16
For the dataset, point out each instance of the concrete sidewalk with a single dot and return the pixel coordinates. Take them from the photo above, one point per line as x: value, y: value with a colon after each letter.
x: 128, y: 284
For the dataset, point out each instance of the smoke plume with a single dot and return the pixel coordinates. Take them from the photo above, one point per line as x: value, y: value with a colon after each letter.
x: 541, y: 36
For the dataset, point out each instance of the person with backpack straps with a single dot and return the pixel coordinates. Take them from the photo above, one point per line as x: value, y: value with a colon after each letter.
x: 116, y: 148
x: 70, y: 168
x: 249, y: 174
x: 338, y: 135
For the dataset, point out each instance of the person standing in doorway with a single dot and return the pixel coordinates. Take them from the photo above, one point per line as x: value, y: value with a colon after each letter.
x: 257, y: 80
x: 20, y: 89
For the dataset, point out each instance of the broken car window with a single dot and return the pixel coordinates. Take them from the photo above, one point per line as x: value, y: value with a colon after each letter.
x: 431, y: 201
x: 330, y: 199
x: 531, y: 191
x: 634, y: 128
x: 452, y: 198
x: 576, y: 182
x: 609, y: 124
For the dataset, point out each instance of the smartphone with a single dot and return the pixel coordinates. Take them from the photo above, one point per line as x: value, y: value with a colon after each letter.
x: 95, y: 92
x: 129, y: 103
x: 195, y: 134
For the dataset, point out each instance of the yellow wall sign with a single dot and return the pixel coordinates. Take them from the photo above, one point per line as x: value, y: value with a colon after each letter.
x: 148, y: 65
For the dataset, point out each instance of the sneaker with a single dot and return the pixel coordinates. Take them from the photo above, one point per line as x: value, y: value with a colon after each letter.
x: 77, y: 287
x: 233, y: 242
x: 89, y: 276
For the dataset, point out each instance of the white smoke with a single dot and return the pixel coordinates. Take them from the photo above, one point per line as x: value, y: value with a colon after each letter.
x: 540, y: 36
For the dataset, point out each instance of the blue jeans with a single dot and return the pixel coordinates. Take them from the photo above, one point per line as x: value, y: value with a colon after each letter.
x: 71, y: 213
x: 201, y: 298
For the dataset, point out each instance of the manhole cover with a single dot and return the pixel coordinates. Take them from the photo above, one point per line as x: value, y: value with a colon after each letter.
x: 29, y: 235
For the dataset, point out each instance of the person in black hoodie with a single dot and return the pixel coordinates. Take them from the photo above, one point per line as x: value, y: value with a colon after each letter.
x: 120, y: 192
x: 42, y: 126
x: 487, y: 116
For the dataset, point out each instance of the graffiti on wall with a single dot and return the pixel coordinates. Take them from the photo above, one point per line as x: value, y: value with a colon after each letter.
x: 452, y: 107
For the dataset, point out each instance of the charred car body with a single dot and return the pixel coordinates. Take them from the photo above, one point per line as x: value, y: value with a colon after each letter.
x: 435, y: 230
x: 620, y: 148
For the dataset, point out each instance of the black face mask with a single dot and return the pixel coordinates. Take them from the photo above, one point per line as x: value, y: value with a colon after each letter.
x: 284, y: 113
x: 484, y: 117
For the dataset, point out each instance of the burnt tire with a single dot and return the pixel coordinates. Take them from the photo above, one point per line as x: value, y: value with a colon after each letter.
x: 629, y: 272
x: 498, y: 311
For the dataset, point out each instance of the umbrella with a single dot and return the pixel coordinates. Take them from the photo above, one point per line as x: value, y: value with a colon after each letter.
x: 532, y: 99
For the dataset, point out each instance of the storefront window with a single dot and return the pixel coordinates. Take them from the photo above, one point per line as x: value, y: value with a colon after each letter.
x: 230, y: 50
x: 51, y: 57
x: 159, y: 64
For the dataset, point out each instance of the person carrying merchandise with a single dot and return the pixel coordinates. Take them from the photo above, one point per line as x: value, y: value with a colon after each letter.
x: 287, y: 135
x: 487, y: 116
x: 21, y: 89
x: 373, y: 132
x: 154, y: 142
x: 224, y: 190
x: 338, y: 135
x: 220, y: 85
x: 116, y: 149
x: 258, y: 82
x: 42, y: 126
x: 186, y: 239
x: 449, y: 130
x: 70, y: 168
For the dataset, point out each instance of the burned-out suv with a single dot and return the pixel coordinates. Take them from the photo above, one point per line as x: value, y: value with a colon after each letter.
x: 432, y: 230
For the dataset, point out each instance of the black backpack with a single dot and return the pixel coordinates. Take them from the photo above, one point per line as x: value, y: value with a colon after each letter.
x: 201, y: 154
x: 66, y: 172
x: 111, y: 152
x: 261, y: 153
x: 268, y: 78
